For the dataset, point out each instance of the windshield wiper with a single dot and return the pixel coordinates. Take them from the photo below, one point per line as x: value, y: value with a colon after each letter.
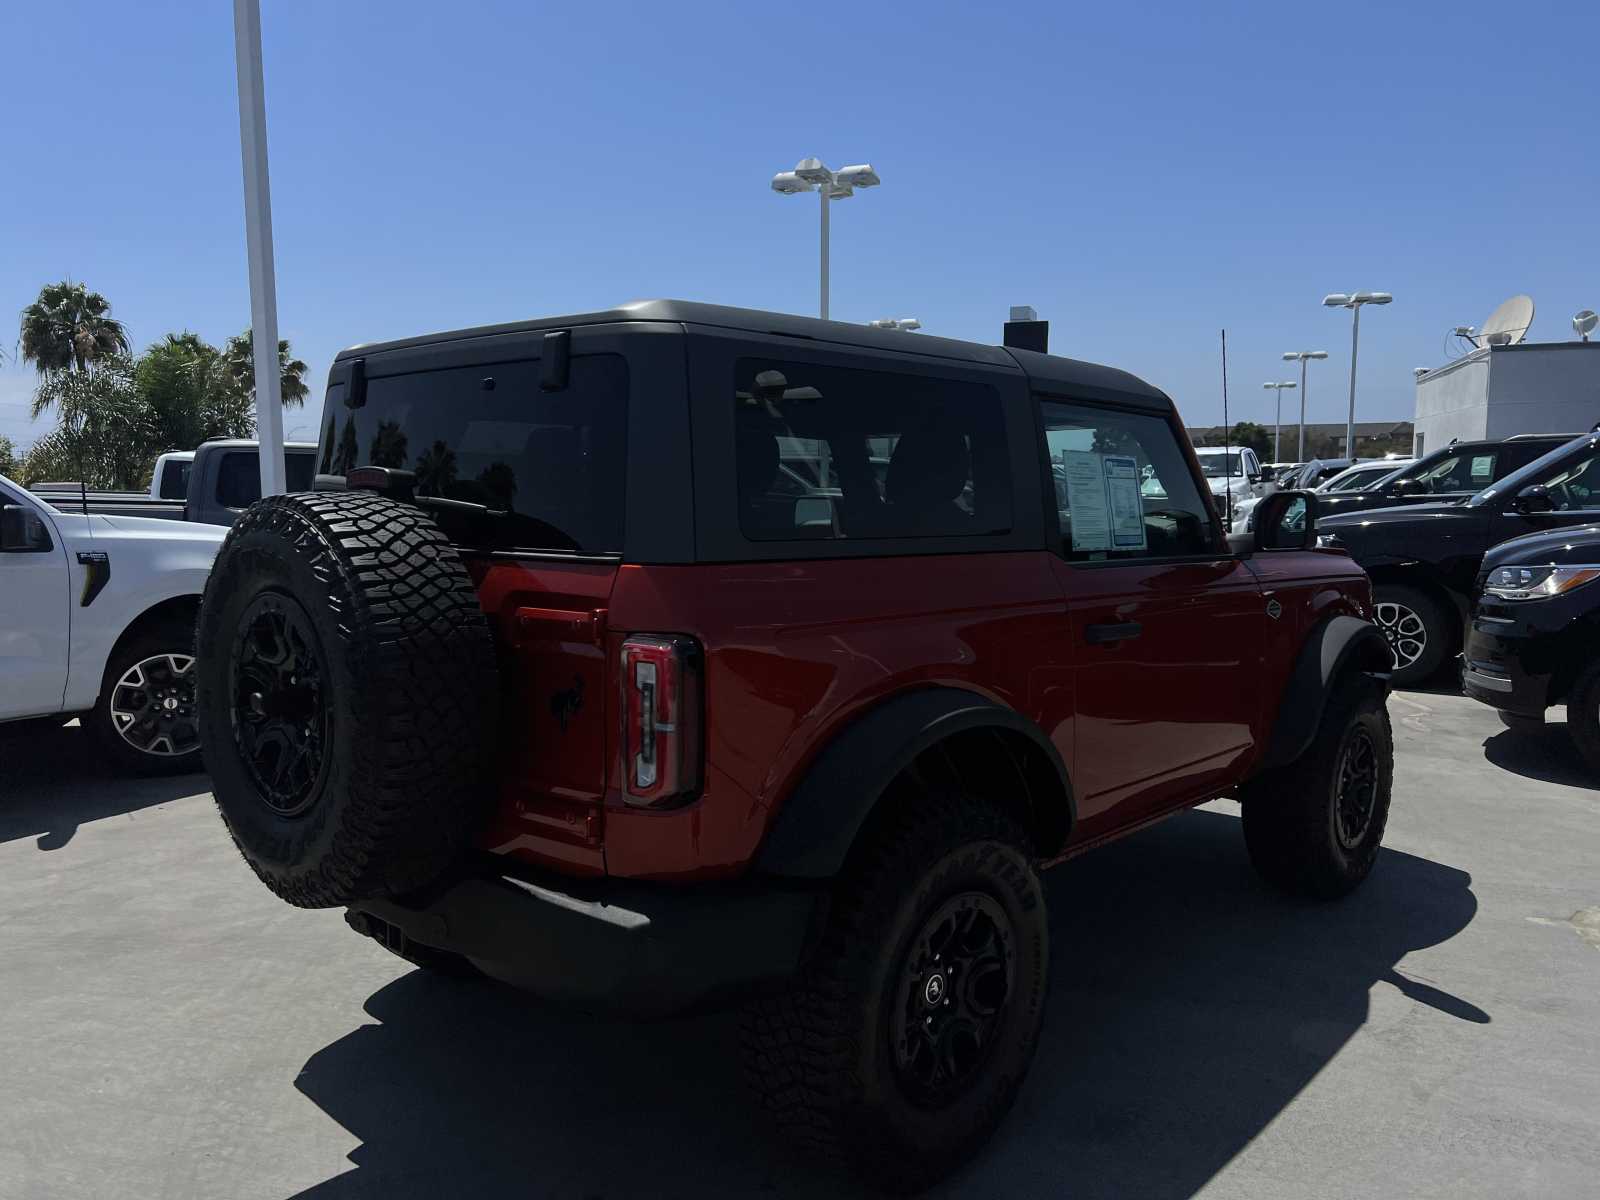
x: 551, y: 536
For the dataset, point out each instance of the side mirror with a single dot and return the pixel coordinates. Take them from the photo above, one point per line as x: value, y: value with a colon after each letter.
x: 1266, y: 475
x: 813, y: 511
x: 1253, y: 477
x: 1286, y: 521
x: 22, y: 529
x: 1535, y: 498
x: 1406, y: 487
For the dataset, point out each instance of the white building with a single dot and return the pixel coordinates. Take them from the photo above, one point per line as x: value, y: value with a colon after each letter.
x: 1498, y: 391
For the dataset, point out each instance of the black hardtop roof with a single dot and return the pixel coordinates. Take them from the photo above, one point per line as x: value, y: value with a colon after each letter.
x: 1047, y: 371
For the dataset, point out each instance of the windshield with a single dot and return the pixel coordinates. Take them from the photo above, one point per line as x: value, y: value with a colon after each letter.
x: 1215, y: 466
x: 1571, y: 472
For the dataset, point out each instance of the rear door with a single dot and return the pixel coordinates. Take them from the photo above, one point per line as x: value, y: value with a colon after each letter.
x: 1167, y: 628
x: 35, y: 616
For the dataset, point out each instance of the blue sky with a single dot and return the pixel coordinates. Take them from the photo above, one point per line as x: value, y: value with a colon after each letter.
x: 1143, y: 174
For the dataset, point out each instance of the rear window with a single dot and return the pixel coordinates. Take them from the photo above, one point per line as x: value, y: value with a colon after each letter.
x: 549, y: 467
x: 831, y: 452
x: 175, y: 478
x: 239, y: 476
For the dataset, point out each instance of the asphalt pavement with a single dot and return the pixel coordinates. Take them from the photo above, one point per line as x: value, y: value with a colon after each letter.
x: 169, y: 1029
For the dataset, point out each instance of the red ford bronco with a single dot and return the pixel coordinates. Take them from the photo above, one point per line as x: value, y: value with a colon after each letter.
x: 675, y: 654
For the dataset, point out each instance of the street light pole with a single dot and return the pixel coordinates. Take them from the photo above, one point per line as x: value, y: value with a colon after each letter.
x: 1353, y: 301
x: 1302, y: 356
x: 1277, y: 424
x: 809, y: 175
x: 258, y: 243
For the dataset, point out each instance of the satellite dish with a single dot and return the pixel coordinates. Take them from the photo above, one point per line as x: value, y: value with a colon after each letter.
x: 1508, y: 324
x: 1585, y: 322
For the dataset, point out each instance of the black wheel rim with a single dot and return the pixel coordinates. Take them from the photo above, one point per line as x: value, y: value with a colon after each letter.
x: 951, y: 998
x: 152, y: 706
x: 279, y: 699
x: 1356, y: 789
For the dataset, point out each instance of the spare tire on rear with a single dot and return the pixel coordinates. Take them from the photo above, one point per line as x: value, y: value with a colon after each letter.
x: 347, y: 696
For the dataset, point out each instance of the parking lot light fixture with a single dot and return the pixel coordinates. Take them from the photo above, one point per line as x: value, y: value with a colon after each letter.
x: 905, y: 324
x: 1354, y: 301
x: 810, y: 175
x: 1277, y: 420
x: 1302, y: 357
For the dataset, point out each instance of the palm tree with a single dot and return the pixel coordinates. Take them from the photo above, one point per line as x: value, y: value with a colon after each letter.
x: 240, y: 356
x: 68, y: 328
x: 104, y: 429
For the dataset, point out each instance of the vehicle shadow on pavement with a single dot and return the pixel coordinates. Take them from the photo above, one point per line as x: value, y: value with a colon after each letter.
x: 1189, y: 1006
x: 52, y: 780
x: 1546, y: 754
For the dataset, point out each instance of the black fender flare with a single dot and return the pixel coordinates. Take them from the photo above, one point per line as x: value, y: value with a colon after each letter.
x: 818, y: 823
x: 1335, y: 645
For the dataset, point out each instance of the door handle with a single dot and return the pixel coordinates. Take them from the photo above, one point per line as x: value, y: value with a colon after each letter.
x: 1104, y: 634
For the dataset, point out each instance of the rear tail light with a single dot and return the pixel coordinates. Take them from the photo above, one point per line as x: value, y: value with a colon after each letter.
x: 661, y: 719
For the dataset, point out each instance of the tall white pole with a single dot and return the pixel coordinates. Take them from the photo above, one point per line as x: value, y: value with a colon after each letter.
x: 1350, y: 421
x: 1277, y: 427
x: 258, y: 242
x: 822, y: 191
x: 1302, y: 454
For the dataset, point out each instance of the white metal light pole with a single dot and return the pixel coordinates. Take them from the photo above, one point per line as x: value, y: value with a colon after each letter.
x: 1302, y: 356
x: 258, y: 242
x: 1277, y: 422
x: 1353, y: 301
x: 809, y: 175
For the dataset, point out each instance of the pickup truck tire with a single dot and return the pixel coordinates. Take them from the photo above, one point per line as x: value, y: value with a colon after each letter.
x: 1313, y: 828
x: 144, y: 721
x: 348, y: 697
x: 1420, y: 633
x: 903, y: 1042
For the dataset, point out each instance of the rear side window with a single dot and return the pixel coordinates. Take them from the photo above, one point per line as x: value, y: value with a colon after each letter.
x: 547, y: 469
x: 832, y: 452
x: 239, y: 477
x: 1468, y: 471
x: 175, y: 478
x: 1122, y: 485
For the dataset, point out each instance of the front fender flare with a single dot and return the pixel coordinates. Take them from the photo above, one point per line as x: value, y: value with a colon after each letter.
x: 817, y: 825
x: 1335, y: 646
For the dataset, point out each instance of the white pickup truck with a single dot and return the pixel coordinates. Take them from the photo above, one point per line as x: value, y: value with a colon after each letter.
x: 97, y: 621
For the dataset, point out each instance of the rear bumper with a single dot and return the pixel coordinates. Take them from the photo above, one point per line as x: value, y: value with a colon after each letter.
x: 633, y: 948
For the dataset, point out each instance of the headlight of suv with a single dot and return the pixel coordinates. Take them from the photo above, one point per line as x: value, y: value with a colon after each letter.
x: 1536, y: 583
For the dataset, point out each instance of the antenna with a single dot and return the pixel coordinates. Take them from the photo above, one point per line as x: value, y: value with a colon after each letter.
x: 1508, y: 324
x: 1585, y: 322
x: 1227, y: 451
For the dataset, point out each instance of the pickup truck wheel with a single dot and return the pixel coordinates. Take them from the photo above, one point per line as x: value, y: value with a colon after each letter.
x: 1415, y: 625
x: 144, y: 720
x: 348, y: 697
x: 903, y: 1043
x: 1313, y: 828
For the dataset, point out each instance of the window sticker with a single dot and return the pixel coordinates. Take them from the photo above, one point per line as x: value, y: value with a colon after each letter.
x: 1122, y: 496
x: 1482, y: 466
x: 1087, y: 500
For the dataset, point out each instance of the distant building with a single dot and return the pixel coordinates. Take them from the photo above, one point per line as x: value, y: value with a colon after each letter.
x: 1374, y: 439
x: 1498, y: 391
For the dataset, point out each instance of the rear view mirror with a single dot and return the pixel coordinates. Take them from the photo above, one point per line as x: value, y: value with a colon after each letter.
x: 1286, y: 521
x: 1535, y: 498
x: 21, y: 529
x: 1406, y: 487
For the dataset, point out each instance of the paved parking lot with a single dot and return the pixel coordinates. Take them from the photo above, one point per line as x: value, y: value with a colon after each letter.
x: 169, y: 1029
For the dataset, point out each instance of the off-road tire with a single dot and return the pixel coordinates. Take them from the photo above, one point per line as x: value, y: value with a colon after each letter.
x: 1291, y: 815
x: 406, y: 694
x: 171, y: 637
x: 1583, y: 716
x: 820, y: 1057
x: 1440, y: 627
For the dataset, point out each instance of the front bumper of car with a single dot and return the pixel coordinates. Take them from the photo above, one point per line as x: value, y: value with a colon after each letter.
x: 612, y: 945
x: 1519, y: 655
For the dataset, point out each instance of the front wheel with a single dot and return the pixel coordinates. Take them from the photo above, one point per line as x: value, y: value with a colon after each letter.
x: 145, y: 720
x: 1314, y: 827
x: 905, y: 1040
x: 1419, y: 631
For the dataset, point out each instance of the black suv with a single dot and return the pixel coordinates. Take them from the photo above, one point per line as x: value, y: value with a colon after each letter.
x: 1456, y: 472
x: 1534, y: 639
x: 1424, y: 558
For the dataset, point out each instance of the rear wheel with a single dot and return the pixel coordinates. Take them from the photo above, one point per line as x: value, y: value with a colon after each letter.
x: 1419, y: 632
x: 1314, y: 827
x: 903, y: 1044
x: 145, y: 720
x: 1583, y: 716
